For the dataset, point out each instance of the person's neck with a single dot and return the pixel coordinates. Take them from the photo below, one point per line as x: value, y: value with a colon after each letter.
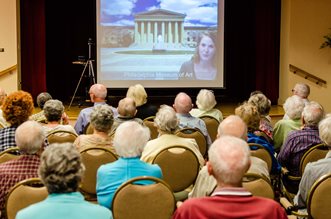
x: 205, y: 64
x: 221, y: 185
x: 100, y: 134
x: 53, y: 123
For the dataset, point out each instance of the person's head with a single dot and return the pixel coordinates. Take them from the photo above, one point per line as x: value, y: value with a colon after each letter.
x: 293, y: 107
x: 3, y: 95
x: 206, y: 48
x: 127, y: 107
x: 138, y: 93
x: 183, y: 103
x: 255, y: 92
x: 61, y: 168
x: 98, y: 93
x: 229, y: 159
x: 234, y: 126
x: 206, y: 100
x: 249, y: 114
x: 101, y: 118
x: 312, y: 113
x: 42, y: 98
x: 302, y: 90
x: 324, y: 128
x: 166, y: 119
x: 262, y: 103
x: 130, y: 139
x: 53, y: 110
x: 17, y: 108
x: 30, y: 137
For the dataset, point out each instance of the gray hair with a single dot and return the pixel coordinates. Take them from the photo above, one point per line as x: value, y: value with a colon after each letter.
x: 127, y: 107
x: 30, y: 137
x: 99, y: 91
x: 293, y: 107
x: 262, y: 103
x: 230, y: 159
x: 312, y: 113
x: 166, y: 119
x: 138, y: 93
x: 206, y: 100
x: 232, y: 125
x: 61, y: 168
x: 130, y: 139
x: 53, y: 110
x: 102, y: 118
x: 302, y: 90
x: 324, y: 128
x: 42, y: 98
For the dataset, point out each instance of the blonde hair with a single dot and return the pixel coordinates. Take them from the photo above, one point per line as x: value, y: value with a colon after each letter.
x: 138, y: 94
x: 206, y: 100
x: 249, y: 114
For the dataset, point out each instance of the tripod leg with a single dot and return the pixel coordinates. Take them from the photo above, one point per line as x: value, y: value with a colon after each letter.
x: 92, y: 72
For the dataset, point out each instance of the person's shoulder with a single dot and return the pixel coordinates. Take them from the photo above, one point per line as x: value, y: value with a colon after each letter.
x: 99, y: 211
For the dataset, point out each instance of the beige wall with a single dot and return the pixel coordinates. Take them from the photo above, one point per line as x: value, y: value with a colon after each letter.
x: 303, y: 25
x: 8, y: 41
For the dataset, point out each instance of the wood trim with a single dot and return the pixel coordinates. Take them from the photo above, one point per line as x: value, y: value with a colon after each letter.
x: 8, y: 70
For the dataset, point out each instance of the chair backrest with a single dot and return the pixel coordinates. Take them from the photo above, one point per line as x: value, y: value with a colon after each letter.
x: 9, y: 154
x: 319, y: 198
x: 315, y: 153
x: 23, y: 194
x: 179, y: 165
x: 212, y: 126
x: 261, y: 152
x: 93, y: 158
x: 258, y: 185
x: 61, y: 136
x: 197, y: 135
x: 153, y: 201
x: 88, y: 129
x: 149, y: 122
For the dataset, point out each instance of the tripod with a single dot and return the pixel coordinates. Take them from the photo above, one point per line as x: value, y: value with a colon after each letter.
x: 89, y: 65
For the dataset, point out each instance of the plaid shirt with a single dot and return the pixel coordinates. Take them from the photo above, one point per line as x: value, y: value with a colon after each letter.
x: 14, y: 171
x: 7, y: 138
x: 296, y: 144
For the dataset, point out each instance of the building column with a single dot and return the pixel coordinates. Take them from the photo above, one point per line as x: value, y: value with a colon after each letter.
x: 155, y: 32
x: 163, y: 31
x: 149, y: 38
x: 142, y: 32
x: 176, y: 32
x: 169, y: 33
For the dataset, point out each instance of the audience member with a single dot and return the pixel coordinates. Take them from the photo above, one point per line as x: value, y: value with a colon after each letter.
x: 293, y: 107
x: 206, y: 102
x: 42, y: 98
x: 183, y: 105
x: 129, y: 141
x: 101, y: 120
x: 315, y: 170
x: 29, y: 138
x: 302, y: 91
x: 17, y: 108
x: 233, y: 126
x: 61, y: 171
x: 98, y: 95
x: 3, y: 95
x: 138, y: 93
x: 229, y: 159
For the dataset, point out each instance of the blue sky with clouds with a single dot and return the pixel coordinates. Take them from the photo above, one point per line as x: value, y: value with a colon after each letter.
x: 120, y: 12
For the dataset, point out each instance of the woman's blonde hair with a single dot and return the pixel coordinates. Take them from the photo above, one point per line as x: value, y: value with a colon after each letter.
x: 138, y: 94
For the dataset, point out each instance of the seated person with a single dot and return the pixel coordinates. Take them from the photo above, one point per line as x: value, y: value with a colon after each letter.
x: 206, y: 102
x: 42, y: 98
x: 54, y: 114
x: 102, y: 120
x: 229, y: 159
x: 302, y: 91
x: 234, y: 126
x: 129, y: 141
x: 61, y: 171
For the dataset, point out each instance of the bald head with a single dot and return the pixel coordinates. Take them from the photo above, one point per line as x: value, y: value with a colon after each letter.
x: 183, y: 103
x: 98, y: 93
x: 127, y: 107
x: 234, y: 126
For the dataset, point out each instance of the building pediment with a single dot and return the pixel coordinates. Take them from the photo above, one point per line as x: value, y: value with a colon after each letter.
x: 159, y: 13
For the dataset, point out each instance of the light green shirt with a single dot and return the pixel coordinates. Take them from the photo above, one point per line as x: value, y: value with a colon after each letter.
x: 281, y: 130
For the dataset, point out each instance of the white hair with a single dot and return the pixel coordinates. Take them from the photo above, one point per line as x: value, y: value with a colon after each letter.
x: 302, y: 90
x: 313, y: 113
x: 206, y: 100
x: 30, y: 137
x: 324, y: 128
x: 166, y: 119
x: 293, y: 107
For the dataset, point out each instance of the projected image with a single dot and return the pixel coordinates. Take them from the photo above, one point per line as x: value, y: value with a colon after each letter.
x: 160, y: 41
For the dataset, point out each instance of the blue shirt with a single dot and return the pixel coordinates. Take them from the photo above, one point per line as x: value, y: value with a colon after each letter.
x: 113, y: 175
x: 64, y: 205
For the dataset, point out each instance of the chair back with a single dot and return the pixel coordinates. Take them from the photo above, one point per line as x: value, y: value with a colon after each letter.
x: 179, y: 165
x: 9, y: 154
x: 149, y: 122
x: 319, y: 198
x: 153, y: 201
x: 88, y: 129
x: 195, y: 134
x: 93, y: 158
x: 315, y: 153
x: 61, y: 136
x: 261, y: 152
x: 212, y: 126
x: 23, y: 194
x: 258, y: 185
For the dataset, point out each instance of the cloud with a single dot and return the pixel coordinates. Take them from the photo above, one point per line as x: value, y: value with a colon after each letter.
x: 120, y: 23
x: 123, y: 7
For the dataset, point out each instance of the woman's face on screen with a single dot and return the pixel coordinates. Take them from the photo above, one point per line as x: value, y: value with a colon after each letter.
x: 206, y: 49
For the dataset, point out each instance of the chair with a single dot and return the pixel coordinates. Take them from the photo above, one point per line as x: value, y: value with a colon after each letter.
x: 153, y: 201
x: 9, y: 154
x: 180, y: 168
x: 258, y: 185
x: 93, y: 158
x: 88, y: 129
x: 149, y: 122
x: 261, y: 152
x: 61, y: 136
x: 195, y: 134
x: 23, y: 194
x: 212, y: 126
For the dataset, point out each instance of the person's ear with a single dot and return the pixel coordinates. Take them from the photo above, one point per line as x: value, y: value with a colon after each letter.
x: 209, y: 168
